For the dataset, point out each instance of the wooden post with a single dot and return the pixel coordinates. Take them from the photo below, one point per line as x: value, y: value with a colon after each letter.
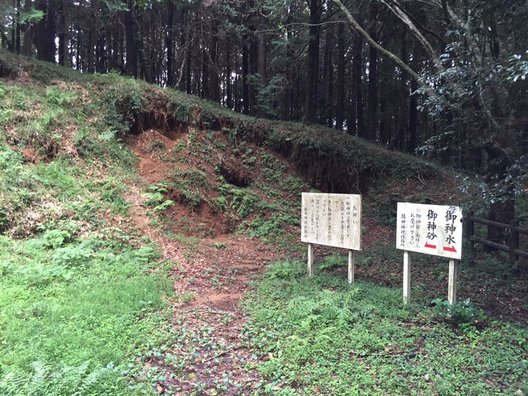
x: 351, y: 266
x: 451, y: 288
x: 310, y: 260
x: 514, y: 239
x: 406, y: 277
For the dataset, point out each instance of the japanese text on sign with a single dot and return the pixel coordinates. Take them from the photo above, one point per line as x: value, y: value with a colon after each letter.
x: 331, y: 220
x: 430, y: 229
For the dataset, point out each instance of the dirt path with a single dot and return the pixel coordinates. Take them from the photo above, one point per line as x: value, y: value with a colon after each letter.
x: 215, y: 276
x: 211, y: 275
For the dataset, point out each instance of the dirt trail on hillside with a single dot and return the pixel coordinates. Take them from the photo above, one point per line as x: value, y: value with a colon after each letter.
x: 211, y: 275
x: 151, y: 170
x: 147, y: 147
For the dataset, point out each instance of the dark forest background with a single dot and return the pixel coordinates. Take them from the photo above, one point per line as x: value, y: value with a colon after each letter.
x: 445, y: 78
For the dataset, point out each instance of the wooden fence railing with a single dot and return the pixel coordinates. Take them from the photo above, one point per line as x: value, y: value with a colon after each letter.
x: 513, y: 228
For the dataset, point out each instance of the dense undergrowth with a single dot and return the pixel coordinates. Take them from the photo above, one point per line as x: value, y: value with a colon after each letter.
x: 320, y: 336
x: 80, y: 304
x: 77, y: 301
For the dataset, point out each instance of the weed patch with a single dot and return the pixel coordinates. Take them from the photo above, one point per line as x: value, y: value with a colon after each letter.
x: 79, y: 307
x: 72, y: 306
x: 319, y: 335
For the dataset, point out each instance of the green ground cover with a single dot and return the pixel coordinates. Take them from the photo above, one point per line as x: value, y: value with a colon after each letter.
x: 82, y: 300
x: 320, y: 335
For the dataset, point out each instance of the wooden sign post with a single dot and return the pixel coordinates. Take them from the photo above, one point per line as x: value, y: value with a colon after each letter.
x: 429, y: 229
x: 406, y: 277
x: 351, y: 266
x: 310, y: 260
x: 451, y: 287
x: 332, y: 220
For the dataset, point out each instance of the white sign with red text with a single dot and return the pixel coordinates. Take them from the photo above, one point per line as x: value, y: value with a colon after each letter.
x: 331, y: 220
x: 430, y: 229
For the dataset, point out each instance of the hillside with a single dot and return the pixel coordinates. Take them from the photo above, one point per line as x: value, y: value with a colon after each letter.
x: 149, y: 243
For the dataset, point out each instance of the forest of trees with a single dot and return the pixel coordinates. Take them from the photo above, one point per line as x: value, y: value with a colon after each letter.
x: 439, y: 77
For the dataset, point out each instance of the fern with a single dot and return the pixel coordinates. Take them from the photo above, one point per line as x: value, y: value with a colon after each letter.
x: 75, y: 381
x: 11, y: 383
x: 91, y: 381
x: 40, y: 379
x: 56, y: 238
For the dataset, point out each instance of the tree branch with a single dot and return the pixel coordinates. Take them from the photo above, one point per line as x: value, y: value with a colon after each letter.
x: 357, y: 27
x: 401, y: 15
x: 422, y: 27
x: 446, y: 12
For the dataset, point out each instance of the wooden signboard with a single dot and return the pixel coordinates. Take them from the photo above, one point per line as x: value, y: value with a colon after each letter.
x: 331, y: 220
x: 429, y: 229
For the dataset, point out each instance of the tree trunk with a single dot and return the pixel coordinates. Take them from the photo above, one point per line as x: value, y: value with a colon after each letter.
x: 311, y: 106
x: 413, y: 118
x: 91, y: 38
x: 372, y: 110
x: 45, y: 31
x: 63, y: 34
x: 138, y: 33
x: 188, y: 71
x: 187, y: 19
x: 11, y: 44
x: 237, y: 102
x: 228, y: 82
x: 402, y: 104
x: 78, y: 65
x: 101, y: 63
x: 131, y: 49
x: 262, y: 69
x: 17, y: 29
x: 204, y: 91
x: 384, y: 125
x: 340, y: 83
x: 214, y: 82
x: 357, y: 119
x: 327, y: 102
x: 245, y: 74
x: 27, y: 44
x: 169, y: 43
x: 253, y: 67
x: 494, y: 38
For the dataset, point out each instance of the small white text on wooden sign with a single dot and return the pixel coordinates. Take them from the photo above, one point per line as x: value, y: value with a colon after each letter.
x: 430, y: 229
x: 331, y: 220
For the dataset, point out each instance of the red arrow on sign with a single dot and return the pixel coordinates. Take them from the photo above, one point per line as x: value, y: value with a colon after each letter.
x: 450, y: 249
x: 427, y: 245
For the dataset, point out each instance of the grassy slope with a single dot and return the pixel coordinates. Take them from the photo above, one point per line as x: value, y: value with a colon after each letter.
x: 321, y: 336
x: 74, y: 288
x: 328, y: 159
x: 79, y: 308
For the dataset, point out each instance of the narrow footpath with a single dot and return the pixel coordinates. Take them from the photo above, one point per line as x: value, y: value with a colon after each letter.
x: 210, y: 278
